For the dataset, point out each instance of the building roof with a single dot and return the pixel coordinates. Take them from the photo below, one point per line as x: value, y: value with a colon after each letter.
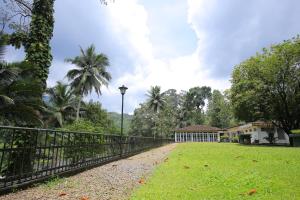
x: 261, y: 124
x: 197, y: 129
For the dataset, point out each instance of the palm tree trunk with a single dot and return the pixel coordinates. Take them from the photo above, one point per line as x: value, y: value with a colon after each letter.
x: 78, y: 108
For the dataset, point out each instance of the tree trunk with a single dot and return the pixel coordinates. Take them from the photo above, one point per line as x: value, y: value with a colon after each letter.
x: 37, y: 47
x: 78, y: 108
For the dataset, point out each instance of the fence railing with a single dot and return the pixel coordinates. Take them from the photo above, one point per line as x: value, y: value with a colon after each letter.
x: 28, y: 155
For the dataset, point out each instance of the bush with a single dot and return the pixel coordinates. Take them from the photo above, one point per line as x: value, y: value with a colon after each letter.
x: 224, y: 138
x: 83, y: 126
x: 235, y: 139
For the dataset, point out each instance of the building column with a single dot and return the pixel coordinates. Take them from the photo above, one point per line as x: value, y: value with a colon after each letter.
x: 175, y: 137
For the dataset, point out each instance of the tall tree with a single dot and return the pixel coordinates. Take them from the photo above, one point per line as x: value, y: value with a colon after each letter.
x: 156, y: 102
x: 192, y: 105
x: 20, y: 102
x: 267, y: 86
x: 91, y: 73
x: 36, y: 40
x: 142, y: 122
x: 218, y: 110
x: 61, y: 103
x: 37, y: 47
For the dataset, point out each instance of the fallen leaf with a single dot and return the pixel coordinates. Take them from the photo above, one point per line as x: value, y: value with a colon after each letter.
x: 84, y: 198
x: 141, y: 181
x: 62, y: 194
x: 205, y: 165
x: 251, y: 192
x: 114, y: 165
x: 254, y: 160
x: 186, y: 167
x: 166, y: 159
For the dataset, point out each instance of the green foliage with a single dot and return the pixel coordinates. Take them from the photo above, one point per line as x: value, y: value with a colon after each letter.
x: 142, y: 122
x: 94, y: 119
x: 94, y: 113
x: 91, y: 73
x: 267, y: 86
x: 224, y: 171
x: 61, y: 105
x: 37, y: 41
x: 82, y: 126
x: 164, y: 112
x: 37, y: 45
x: 116, y: 118
x: 224, y: 138
x: 20, y: 94
x: 235, y: 139
x: 156, y: 100
x: 218, y: 111
x: 192, y: 108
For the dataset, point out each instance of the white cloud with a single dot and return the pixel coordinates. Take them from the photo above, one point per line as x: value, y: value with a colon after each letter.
x: 180, y: 73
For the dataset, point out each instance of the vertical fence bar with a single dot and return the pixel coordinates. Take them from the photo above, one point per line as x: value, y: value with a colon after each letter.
x: 29, y: 154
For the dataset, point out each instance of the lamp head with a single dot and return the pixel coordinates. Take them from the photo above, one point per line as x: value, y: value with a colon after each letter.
x: 123, y: 89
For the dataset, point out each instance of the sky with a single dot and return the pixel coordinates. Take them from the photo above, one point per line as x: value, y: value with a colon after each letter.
x: 175, y: 44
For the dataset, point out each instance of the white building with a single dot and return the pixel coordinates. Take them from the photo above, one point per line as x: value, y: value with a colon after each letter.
x: 258, y: 133
x: 198, y: 133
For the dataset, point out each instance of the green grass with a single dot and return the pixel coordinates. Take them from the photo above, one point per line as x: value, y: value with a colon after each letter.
x: 225, y: 171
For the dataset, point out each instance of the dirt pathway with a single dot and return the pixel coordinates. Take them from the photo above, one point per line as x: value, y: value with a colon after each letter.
x: 115, y: 180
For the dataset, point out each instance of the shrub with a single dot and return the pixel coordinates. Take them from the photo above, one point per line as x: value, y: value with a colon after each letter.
x: 83, y: 126
x: 224, y: 138
x: 235, y: 139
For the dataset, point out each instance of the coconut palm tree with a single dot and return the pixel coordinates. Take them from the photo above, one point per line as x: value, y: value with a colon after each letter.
x: 156, y: 102
x: 91, y: 73
x: 61, y: 103
x: 20, y: 102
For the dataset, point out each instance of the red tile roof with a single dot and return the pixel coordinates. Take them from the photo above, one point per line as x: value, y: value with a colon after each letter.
x: 198, y: 129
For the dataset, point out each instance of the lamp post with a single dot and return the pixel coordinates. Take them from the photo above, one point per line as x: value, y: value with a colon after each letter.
x: 122, y: 90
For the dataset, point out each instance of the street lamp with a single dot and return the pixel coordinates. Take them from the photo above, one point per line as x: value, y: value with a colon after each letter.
x: 122, y: 90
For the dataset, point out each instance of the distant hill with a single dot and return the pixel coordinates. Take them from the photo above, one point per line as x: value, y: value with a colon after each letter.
x: 116, y: 117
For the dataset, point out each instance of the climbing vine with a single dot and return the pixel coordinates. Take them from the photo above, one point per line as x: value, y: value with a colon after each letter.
x: 37, y: 46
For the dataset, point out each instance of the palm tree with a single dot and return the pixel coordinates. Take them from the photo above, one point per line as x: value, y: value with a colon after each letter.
x: 20, y: 102
x: 7, y: 76
x: 91, y: 73
x: 156, y: 101
x: 61, y: 103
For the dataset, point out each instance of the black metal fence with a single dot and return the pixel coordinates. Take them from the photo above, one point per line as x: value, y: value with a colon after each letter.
x: 28, y: 155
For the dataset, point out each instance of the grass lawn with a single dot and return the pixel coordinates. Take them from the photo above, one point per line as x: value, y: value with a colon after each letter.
x: 225, y: 171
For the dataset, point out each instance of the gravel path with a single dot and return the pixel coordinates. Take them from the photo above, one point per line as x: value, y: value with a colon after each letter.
x: 115, y: 180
